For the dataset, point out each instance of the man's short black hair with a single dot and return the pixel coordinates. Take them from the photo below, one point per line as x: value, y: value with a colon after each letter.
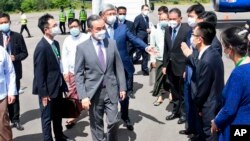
x: 208, y: 16
x: 43, y: 21
x: 145, y: 5
x: 121, y: 7
x: 176, y: 10
x: 5, y: 15
x: 74, y: 20
x: 197, y: 8
x: 164, y: 9
x: 207, y: 31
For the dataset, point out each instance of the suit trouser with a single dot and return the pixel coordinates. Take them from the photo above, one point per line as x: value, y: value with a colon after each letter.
x: 145, y: 57
x: 101, y: 104
x: 51, y: 112
x: 14, y: 109
x: 125, y: 102
x: 83, y: 25
x: 177, y: 83
x: 188, y: 102
x: 62, y: 27
x: 5, y: 130
x: 24, y: 26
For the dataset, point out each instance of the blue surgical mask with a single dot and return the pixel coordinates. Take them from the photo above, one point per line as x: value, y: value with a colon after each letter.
x: 122, y: 18
x: 74, y: 31
x: 163, y: 24
x: 5, y: 27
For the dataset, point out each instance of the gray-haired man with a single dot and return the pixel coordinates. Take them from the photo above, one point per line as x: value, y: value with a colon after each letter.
x: 100, y: 79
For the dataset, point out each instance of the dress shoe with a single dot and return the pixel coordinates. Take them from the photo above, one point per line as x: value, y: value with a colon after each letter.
x: 64, y: 138
x: 184, y: 132
x: 181, y: 120
x: 172, y: 116
x: 129, y: 125
x: 145, y: 73
x: 18, y: 126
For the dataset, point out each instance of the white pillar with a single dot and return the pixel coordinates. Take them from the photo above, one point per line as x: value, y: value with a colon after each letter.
x: 96, y: 6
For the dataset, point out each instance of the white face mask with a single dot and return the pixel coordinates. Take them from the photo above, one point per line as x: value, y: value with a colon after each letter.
x: 100, y: 35
x: 191, y: 22
x: 173, y: 24
x: 111, y: 19
x: 164, y: 23
x: 192, y: 42
x: 55, y: 31
x: 5, y: 27
x: 74, y: 31
x: 122, y: 18
x: 145, y: 12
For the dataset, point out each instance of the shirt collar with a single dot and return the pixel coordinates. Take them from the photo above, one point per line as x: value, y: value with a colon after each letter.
x: 108, y: 26
x: 202, y: 51
x: 48, y: 40
x: 95, y: 41
x: 8, y: 33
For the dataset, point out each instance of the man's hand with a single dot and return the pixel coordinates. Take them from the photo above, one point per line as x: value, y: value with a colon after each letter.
x: 13, y: 58
x: 164, y: 70
x: 45, y: 100
x: 11, y: 99
x: 148, y: 30
x: 122, y: 95
x: 66, y: 77
x: 185, y: 49
x: 150, y: 50
x: 153, y: 64
x: 184, y: 75
x: 214, y: 128
x: 86, y: 103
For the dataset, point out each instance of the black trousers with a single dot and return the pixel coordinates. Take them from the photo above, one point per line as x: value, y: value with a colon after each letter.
x: 125, y: 102
x: 83, y: 24
x: 62, y: 27
x: 24, y: 26
x: 51, y: 112
x: 176, y: 86
x: 14, y: 108
x: 145, y: 57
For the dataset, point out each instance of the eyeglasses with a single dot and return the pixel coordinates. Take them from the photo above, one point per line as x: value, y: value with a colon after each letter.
x: 196, y: 35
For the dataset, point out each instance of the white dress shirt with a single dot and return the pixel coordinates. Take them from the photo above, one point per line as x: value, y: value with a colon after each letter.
x: 97, y: 48
x: 110, y: 30
x: 69, y: 51
x: 7, y: 75
x: 157, y: 41
x: 202, y: 51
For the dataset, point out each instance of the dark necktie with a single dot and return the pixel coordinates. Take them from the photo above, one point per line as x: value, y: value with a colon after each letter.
x: 101, y: 56
x: 173, y: 36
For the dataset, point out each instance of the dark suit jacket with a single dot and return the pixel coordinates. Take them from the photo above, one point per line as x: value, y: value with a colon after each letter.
x: 208, y: 81
x: 172, y: 53
x: 141, y: 27
x: 130, y: 26
x: 18, y: 49
x: 48, y: 79
x: 217, y: 45
x: 121, y: 36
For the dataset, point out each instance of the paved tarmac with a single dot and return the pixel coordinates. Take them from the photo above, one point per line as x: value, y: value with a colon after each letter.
x: 149, y: 121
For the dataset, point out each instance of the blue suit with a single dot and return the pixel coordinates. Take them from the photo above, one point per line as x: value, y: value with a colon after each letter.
x: 121, y: 36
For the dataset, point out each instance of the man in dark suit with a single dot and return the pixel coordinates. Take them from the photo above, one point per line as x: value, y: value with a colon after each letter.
x: 141, y: 24
x: 174, y: 62
x: 48, y: 80
x: 122, y: 12
x: 207, y: 80
x: 100, y: 80
x: 122, y: 35
x: 14, y: 43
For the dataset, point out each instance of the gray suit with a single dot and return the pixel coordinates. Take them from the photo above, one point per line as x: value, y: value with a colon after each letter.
x: 90, y: 78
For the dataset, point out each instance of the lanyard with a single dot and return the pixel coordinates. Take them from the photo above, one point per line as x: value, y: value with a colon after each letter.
x: 241, y: 60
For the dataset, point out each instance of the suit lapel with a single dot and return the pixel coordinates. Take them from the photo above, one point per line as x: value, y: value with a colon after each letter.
x: 93, y: 52
x: 48, y: 46
x: 1, y: 38
x: 178, y: 36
